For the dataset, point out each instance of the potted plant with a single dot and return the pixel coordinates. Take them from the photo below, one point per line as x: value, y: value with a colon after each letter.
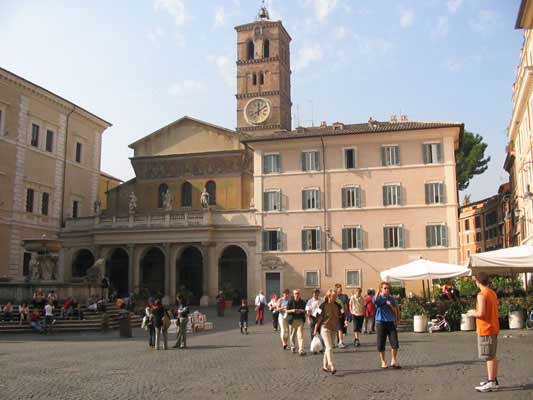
x: 516, y: 313
x: 468, y: 323
x: 416, y: 312
x: 228, y: 293
x: 184, y: 292
x: 503, y: 314
x: 455, y: 310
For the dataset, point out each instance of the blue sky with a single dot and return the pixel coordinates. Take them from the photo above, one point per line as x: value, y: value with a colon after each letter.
x: 142, y: 64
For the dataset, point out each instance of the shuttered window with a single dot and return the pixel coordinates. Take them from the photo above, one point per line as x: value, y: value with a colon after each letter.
x: 272, y: 200
x: 311, y: 279
x: 435, y: 193
x: 392, y: 195
x: 271, y: 164
x: 432, y: 153
x: 393, y: 237
x: 351, y: 197
x: 311, y: 239
x: 310, y: 199
x: 390, y: 155
x: 310, y: 161
x: 353, y: 278
x: 436, y: 235
x: 349, y: 159
x: 272, y: 240
x: 352, y: 238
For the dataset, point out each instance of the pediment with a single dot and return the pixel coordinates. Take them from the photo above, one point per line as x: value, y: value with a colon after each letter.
x: 186, y: 136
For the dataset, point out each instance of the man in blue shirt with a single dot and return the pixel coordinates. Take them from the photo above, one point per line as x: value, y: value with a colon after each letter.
x: 386, y: 317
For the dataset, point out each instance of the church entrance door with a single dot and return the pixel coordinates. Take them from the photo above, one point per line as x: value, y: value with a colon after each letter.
x: 232, y: 271
x: 189, y: 273
x: 153, y: 272
x: 117, y: 272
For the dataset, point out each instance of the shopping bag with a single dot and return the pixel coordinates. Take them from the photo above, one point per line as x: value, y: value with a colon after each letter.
x: 316, y: 344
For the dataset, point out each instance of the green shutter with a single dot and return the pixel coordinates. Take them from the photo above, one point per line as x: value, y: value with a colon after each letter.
x: 304, y: 198
x: 444, y: 235
x: 278, y: 244
x: 443, y: 193
x: 399, y: 192
x: 428, y: 235
x: 304, y: 239
x: 344, y: 238
x: 343, y: 194
x: 358, y: 197
x: 397, y: 150
x: 265, y: 241
x: 401, y: 240
x: 277, y: 167
x: 439, y: 153
x: 265, y: 202
x: 383, y: 156
x: 385, y: 237
x: 265, y: 170
x: 318, y: 239
x: 317, y: 160
x: 303, y: 162
x: 385, y: 202
x: 359, y: 238
x: 427, y: 189
x: 425, y: 153
x: 318, y: 199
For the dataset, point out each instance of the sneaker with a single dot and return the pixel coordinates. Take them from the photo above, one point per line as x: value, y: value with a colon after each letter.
x: 490, y: 386
x: 341, y: 346
x: 487, y: 381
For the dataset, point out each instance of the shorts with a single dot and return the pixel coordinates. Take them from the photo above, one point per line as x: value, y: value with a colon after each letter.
x: 487, y: 346
x: 384, y: 330
x: 358, y: 323
x: 342, y: 327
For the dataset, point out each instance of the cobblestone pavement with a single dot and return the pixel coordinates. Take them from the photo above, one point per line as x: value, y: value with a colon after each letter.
x: 223, y: 364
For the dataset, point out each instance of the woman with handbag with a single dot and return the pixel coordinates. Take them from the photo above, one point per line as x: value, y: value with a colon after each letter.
x: 281, y: 307
x: 328, y: 323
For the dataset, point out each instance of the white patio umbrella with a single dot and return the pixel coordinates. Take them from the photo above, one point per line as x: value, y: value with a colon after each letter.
x: 424, y: 269
x: 509, y: 260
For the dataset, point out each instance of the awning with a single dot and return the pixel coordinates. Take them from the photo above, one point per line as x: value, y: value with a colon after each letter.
x: 424, y: 269
x: 510, y: 260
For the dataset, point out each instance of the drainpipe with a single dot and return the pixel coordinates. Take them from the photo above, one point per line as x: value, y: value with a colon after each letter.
x: 325, y: 212
x: 61, y: 215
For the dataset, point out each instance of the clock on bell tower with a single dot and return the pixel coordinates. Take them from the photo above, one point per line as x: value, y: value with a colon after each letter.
x: 263, y: 76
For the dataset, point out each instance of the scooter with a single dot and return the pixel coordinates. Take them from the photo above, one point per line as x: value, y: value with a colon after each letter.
x: 439, y: 324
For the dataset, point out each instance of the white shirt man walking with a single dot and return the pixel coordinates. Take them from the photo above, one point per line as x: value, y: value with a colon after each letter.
x: 260, y: 305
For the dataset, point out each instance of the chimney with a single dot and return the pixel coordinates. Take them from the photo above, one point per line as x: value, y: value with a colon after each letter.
x: 393, y: 119
x: 323, y: 124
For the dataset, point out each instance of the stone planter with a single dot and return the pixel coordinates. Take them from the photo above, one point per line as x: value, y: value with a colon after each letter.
x: 420, y: 323
x: 228, y: 304
x: 468, y: 323
x: 516, y: 320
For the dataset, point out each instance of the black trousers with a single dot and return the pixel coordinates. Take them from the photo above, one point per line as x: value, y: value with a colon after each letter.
x: 384, y: 330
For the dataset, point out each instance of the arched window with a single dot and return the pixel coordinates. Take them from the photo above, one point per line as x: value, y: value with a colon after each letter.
x: 250, y: 50
x: 211, y: 188
x: 261, y: 78
x: 254, y: 79
x: 186, y: 195
x: 161, y: 195
x: 266, y: 48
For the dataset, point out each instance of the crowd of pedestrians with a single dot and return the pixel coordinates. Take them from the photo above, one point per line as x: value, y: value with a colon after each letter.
x: 157, y: 319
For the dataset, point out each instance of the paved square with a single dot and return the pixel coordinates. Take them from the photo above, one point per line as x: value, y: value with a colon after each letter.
x: 223, y: 364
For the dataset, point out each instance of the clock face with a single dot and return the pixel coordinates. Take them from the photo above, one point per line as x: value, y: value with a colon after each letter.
x: 257, y: 111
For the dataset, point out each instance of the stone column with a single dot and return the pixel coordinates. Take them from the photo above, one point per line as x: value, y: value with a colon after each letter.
x: 131, y: 256
x: 212, y: 271
x: 166, y: 298
x: 174, y: 252
x: 136, y: 267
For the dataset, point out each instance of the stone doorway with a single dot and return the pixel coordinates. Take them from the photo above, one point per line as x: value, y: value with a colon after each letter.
x: 153, y: 272
x: 189, y: 273
x: 232, y: 272
x: 117, y: 271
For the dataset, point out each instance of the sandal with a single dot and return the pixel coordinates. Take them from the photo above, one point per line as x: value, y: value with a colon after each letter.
x: 325, y: 369
x: 396, y: 366
x: 385, y: 366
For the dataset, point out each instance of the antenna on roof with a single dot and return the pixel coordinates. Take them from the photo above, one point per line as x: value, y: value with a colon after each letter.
x: 298, y: 122
x: 312, y: 112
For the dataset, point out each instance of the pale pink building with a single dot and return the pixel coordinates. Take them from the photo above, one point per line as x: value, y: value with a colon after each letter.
x: 386, y: 196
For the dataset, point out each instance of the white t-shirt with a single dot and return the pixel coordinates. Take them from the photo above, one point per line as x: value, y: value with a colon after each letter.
x: 48, y: 310
x: 260, y: 299
x: 312, y: 306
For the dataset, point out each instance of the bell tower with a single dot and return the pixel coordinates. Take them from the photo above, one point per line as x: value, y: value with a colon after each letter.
x: 263, y: 76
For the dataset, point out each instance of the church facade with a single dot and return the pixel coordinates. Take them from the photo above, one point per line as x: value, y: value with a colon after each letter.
x: 267, y: 207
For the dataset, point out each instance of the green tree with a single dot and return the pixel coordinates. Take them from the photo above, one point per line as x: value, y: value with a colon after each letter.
x: 470, y: 159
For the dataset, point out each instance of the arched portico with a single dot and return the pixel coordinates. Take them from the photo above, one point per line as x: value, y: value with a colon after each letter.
x: 153, y: 271
x: 117, y: 270
x: 189, y: 272
x: 82, y: 261
x: 232, y: 271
